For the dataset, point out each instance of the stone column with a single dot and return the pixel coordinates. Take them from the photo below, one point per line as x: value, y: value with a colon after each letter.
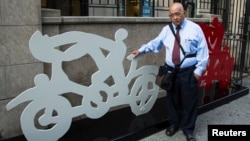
x: 19, y: 19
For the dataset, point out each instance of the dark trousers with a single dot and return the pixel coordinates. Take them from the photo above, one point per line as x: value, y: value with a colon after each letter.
x: 182, y: 101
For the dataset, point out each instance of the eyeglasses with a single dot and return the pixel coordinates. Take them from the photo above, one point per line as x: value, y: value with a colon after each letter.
x: 177, y: 14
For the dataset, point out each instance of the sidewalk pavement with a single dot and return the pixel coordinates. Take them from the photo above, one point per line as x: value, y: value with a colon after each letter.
x: 236, y: 112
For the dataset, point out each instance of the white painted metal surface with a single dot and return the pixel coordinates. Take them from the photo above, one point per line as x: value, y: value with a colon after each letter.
x: 55, y: 111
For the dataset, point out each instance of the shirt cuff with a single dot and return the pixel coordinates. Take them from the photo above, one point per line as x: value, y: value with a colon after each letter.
x: 141, y: 50
x: 198, y: 71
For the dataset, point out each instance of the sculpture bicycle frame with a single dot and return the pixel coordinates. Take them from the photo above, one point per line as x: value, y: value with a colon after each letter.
x: 56, y: 112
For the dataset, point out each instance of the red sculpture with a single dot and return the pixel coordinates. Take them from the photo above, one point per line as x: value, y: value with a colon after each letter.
x: 221, y: 63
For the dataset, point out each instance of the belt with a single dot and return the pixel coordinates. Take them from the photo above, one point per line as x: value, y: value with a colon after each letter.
x: 169, y: 68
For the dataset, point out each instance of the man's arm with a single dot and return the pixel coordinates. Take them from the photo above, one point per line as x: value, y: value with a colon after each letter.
x: 202, y: 56
x: 152, y: 46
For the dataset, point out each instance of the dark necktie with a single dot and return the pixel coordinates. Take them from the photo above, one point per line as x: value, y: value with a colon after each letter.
x: 176, y: 50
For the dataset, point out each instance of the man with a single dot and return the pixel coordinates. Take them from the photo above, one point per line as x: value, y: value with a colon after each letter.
x: 182, y: 98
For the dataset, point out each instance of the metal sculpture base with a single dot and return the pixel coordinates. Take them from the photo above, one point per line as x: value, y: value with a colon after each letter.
x: 122, y: 125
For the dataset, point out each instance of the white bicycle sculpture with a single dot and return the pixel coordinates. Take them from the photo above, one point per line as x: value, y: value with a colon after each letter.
x: 55, y: 111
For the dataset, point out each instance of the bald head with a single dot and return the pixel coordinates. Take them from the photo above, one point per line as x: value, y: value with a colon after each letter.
x: 176, y: 13
x: 175, y: 6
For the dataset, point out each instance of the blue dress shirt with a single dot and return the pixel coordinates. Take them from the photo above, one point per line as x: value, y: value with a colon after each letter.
x: 192, y: 40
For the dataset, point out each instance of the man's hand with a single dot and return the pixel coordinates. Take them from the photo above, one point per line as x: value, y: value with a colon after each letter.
x: 196, y: 76
x: 135, y: 53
